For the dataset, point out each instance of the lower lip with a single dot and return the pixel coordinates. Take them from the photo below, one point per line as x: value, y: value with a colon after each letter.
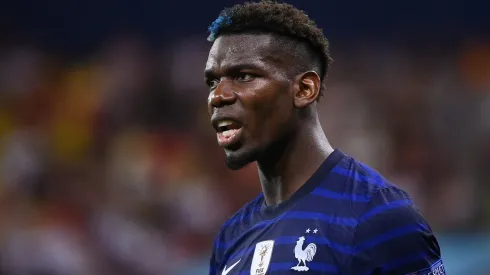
x: 229, y: 140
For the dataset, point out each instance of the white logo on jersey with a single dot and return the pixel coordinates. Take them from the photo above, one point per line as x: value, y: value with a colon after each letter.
x: 227, y: 270
x: 304, y: 255
x: 262, y: 257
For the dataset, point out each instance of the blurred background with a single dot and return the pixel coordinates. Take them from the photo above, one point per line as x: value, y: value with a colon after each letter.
x: 108, y: 164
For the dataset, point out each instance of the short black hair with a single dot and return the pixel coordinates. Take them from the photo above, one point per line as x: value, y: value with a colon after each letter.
x: 279, y: 19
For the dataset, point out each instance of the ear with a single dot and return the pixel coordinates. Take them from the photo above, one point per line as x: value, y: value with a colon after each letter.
x: 307, y: 89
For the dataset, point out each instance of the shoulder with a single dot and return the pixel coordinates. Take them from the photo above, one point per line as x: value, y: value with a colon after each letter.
x: 391, y: 207
x: 230, y: 229
x: 359, y: 178
x: 386, y: 203
x: 238, y: 222
x: 389, y: 210
x: 244, y: 215
x: 392, y: 235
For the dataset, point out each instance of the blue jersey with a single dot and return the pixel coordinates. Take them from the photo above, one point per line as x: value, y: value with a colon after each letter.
x: 346, y: 219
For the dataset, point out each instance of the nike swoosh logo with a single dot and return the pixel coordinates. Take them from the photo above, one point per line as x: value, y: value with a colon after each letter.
x: 227, y: 270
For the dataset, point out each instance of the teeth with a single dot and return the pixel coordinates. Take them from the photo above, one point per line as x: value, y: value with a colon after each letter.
x: 225, y: 123
x: 228, y: 133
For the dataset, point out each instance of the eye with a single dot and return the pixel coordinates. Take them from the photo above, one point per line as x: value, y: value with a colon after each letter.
x: 244, y: 77
x: 212, y: 83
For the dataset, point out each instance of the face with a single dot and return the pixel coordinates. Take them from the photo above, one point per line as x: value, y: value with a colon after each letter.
x: 250, y: 96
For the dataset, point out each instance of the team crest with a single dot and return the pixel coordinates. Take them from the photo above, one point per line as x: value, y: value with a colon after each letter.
x: 262, y: 257
x: 304, y: 255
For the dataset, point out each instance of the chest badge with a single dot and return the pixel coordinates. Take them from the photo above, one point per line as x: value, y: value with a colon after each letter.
x: 304, y: 255
x: 262, y: 257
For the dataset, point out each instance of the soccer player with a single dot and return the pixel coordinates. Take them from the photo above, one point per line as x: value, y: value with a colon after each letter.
x: 321, y: 211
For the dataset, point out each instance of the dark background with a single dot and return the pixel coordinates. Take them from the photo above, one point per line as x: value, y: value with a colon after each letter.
x: 75, y: 27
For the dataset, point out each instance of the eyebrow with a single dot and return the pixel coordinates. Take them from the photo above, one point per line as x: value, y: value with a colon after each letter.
x: 233, y: 68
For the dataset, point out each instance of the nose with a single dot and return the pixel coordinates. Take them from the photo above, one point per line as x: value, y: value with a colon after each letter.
x: 223, y: 95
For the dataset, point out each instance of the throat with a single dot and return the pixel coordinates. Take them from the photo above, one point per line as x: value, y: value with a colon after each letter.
x: 275, y: 192
x: 288, y: 166
x: 279, y: 190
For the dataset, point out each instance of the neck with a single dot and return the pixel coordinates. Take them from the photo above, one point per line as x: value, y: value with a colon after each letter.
x: 297, y: 159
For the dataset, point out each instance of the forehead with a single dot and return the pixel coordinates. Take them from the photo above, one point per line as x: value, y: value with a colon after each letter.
x: 241, y: 48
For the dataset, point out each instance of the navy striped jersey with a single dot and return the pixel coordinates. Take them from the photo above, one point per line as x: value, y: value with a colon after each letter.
x: 346, y: 219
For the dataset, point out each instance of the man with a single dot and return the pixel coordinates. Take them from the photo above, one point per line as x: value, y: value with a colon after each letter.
x: 321, y: 211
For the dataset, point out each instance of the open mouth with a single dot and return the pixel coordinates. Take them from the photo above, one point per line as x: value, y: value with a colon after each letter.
x: 228, y: 132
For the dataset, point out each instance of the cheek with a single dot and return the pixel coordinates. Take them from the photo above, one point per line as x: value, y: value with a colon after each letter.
x: 280, y: 114
x: 271, y: 115
x: 269, y: 98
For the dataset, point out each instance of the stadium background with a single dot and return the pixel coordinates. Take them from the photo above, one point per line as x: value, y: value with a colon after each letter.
x: 108, y: 164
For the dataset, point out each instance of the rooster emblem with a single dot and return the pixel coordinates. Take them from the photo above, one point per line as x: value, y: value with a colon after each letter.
x: 303, y: 256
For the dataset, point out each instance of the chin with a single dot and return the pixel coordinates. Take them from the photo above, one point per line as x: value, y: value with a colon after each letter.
x: 236, y: 160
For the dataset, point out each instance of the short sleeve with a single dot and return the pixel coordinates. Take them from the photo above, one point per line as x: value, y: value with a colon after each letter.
x: 392, y: 237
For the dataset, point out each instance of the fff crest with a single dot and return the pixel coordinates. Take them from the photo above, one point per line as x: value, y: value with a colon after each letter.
x: 262, y: 257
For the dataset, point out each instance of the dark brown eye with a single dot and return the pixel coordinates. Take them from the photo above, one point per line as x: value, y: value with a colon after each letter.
x: 244, y: 77
x: 212, y: 84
